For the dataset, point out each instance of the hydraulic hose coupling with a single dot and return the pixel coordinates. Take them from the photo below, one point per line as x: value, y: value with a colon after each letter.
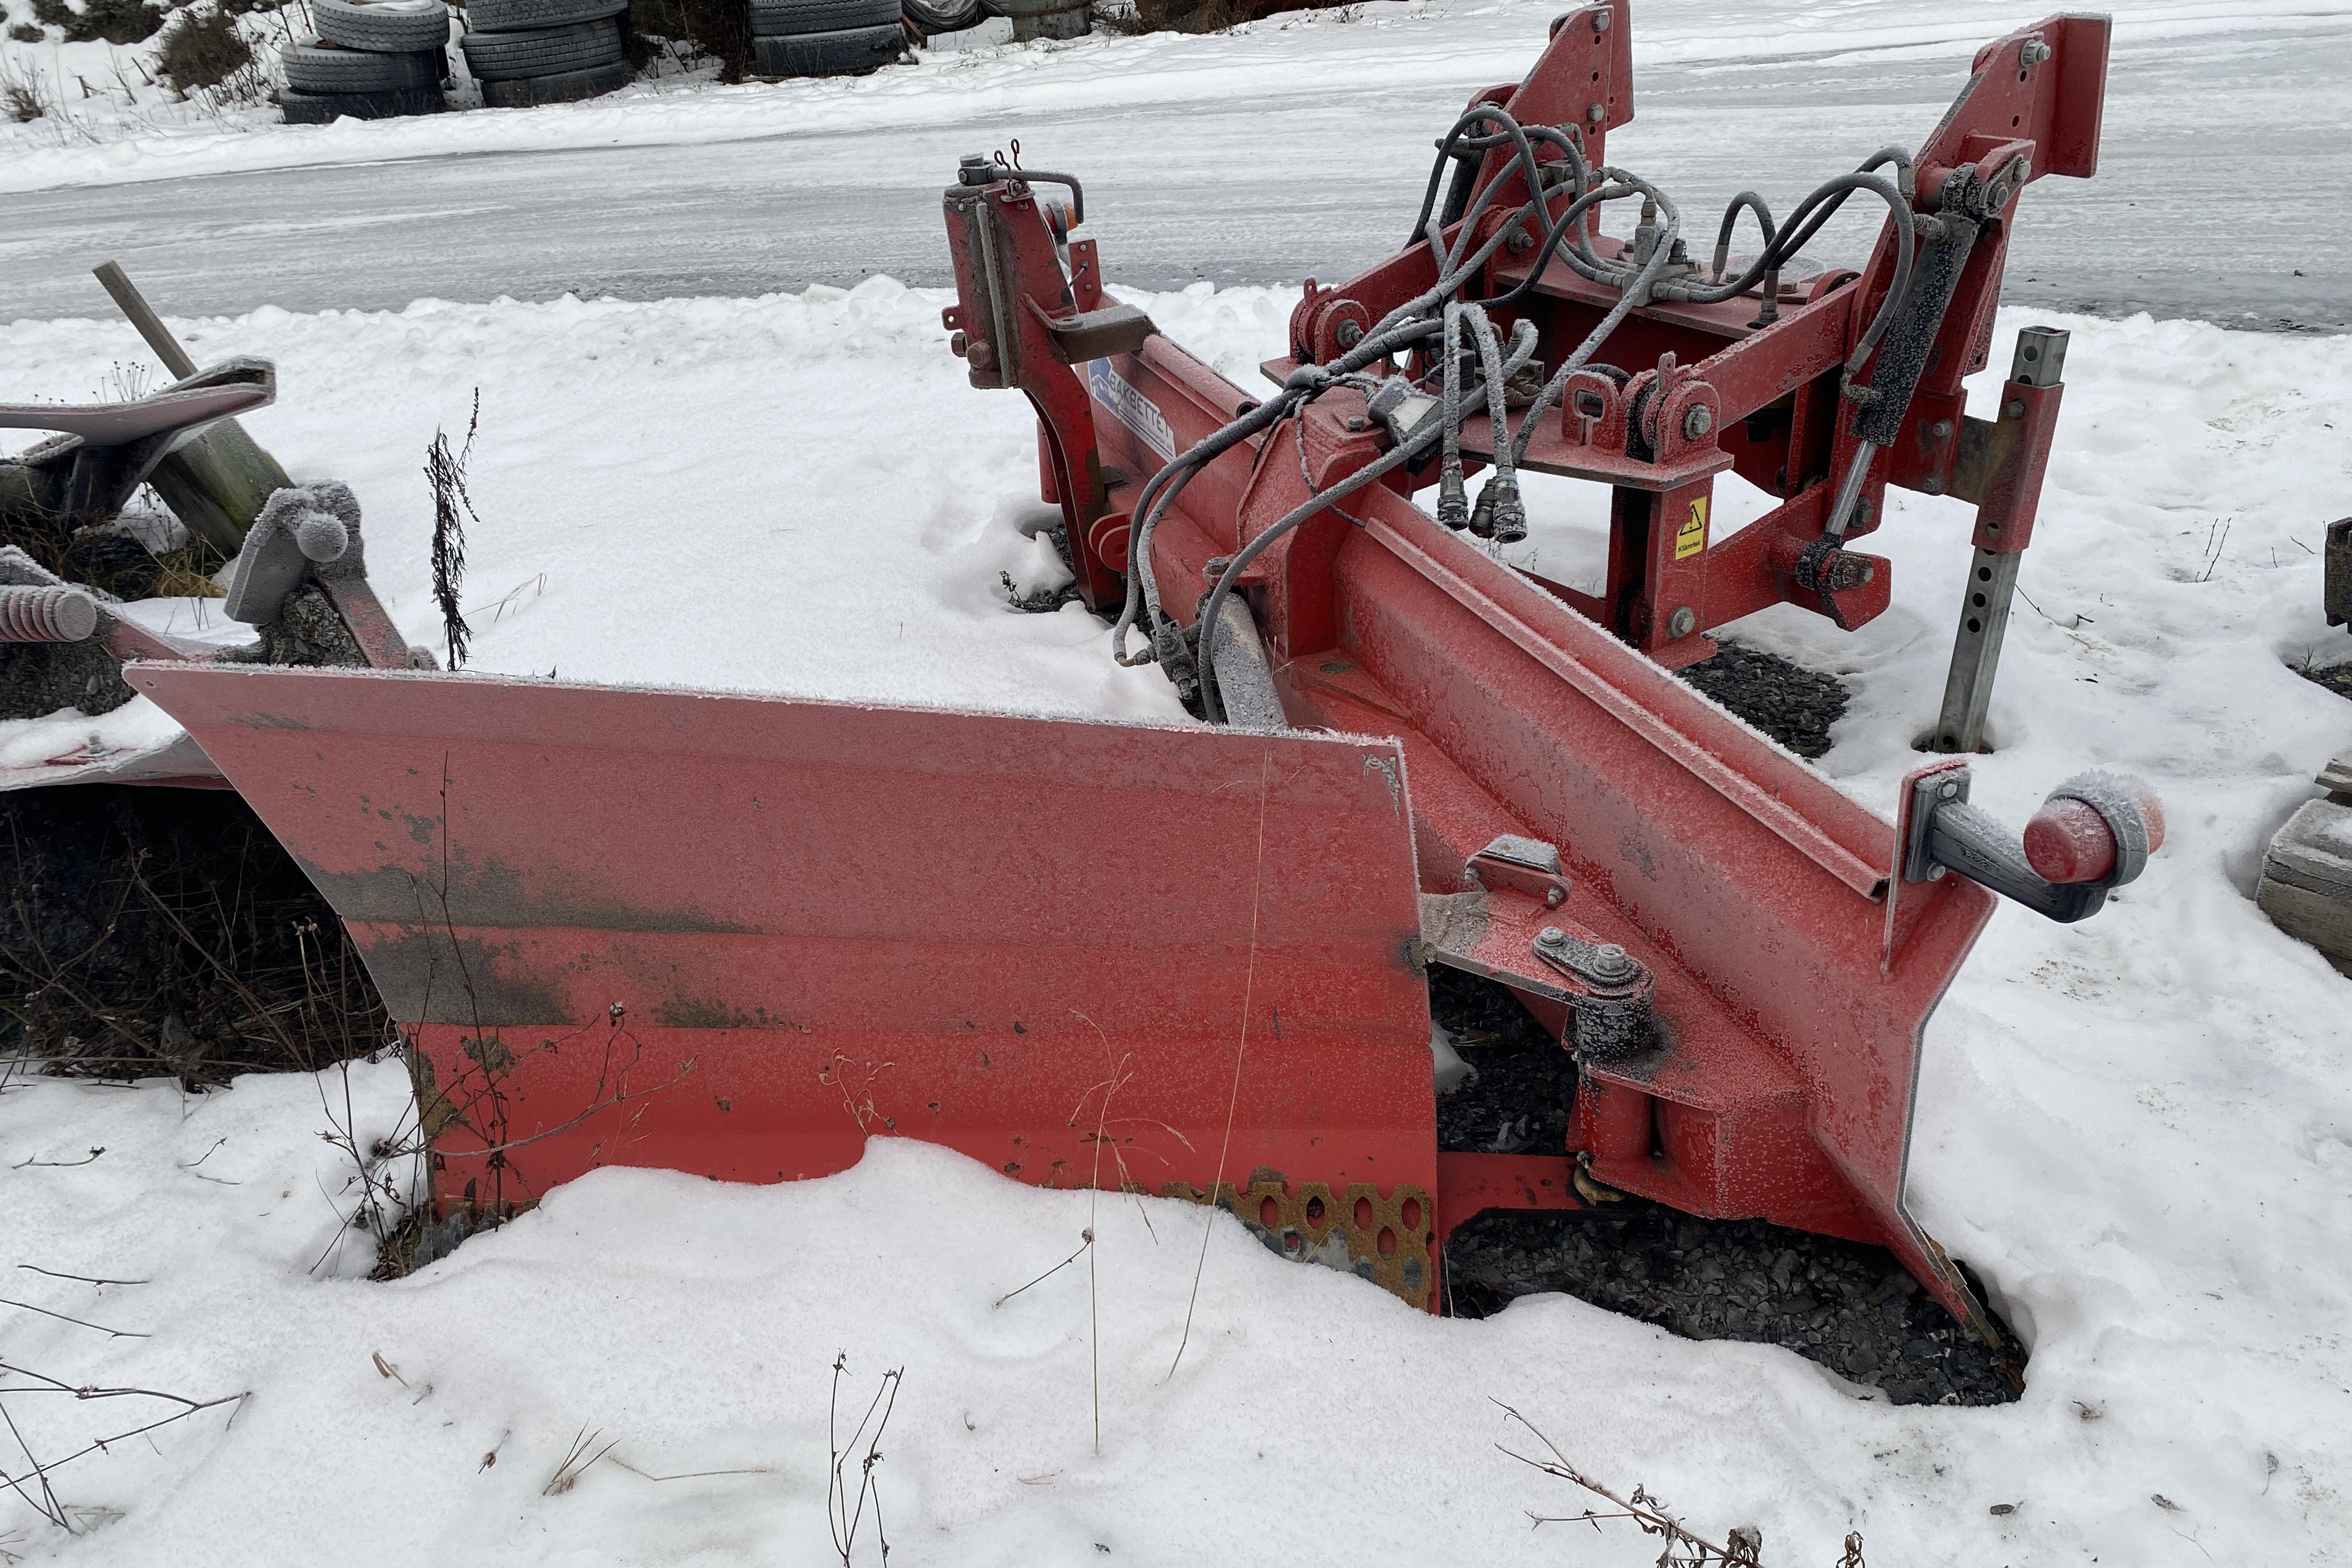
x: 1453, y: 500
x: 1508, y: 515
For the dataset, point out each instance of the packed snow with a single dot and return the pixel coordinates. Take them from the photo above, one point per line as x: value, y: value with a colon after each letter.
x: 2137, y: 1130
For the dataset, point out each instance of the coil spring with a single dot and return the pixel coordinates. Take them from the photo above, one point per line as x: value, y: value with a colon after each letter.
x: 46, y: 615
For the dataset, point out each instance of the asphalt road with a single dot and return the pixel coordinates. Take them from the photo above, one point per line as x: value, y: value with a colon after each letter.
x: 1315, y: 183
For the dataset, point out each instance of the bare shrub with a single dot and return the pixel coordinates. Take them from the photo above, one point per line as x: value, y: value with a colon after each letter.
x: 202, y: 50
x: 1743, y: 1545
x: 716, y: 29
x: 115, y: 21
x: 146, y: 931
x: 444, y: 471
x: 1184, y: 16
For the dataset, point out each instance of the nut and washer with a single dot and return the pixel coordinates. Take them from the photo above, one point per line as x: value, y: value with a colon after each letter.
x: 1698, y: 422
x: 1682, y: 622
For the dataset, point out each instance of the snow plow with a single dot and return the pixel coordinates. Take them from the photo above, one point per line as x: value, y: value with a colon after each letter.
x: 739, y: 935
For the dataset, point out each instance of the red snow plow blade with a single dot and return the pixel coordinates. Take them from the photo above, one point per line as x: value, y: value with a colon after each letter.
x: 739, y: 935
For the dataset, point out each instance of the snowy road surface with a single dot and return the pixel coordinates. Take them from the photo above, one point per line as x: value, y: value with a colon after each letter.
x: 1292, y: 150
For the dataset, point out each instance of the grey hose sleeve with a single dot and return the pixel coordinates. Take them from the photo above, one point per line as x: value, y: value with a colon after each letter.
x: 1249, y: 552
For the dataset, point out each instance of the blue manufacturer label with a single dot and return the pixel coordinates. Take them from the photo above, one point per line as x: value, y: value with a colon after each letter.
x: 1132, y: 408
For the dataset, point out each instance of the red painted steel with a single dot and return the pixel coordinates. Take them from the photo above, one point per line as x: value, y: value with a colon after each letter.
x: 739, y: 935
x: 1794, y: 973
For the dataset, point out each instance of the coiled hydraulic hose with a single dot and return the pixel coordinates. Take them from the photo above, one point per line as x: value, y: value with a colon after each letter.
x: 1654, y: 268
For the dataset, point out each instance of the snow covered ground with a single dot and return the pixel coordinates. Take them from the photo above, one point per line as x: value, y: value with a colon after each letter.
x: 2139, y: 1130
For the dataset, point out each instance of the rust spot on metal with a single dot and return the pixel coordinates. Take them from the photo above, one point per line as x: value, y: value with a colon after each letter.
x: 1359, y: 1231
x: 699, y: 1013
x: 431, y: 976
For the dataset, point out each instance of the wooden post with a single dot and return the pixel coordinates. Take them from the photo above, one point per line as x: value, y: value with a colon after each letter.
x: 216, y: 484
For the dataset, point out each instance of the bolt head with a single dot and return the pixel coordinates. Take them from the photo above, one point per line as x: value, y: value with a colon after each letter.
x: 1596, y: 114
x: 981, y: 356
x: 1551, y: 936
x: 1682, y: 622
x: 2034, y: 52
x: 1348, y: 334
x: 1554, y: 898
x: 1932, y: 486
x: 2014, y: 408
x: 1358, y: 422
x: 1940, y: 429
x: 1470, y: 877
x: 1698, y: 422
x: 1949, y: 790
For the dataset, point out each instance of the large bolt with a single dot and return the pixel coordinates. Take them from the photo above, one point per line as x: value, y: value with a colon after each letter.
x: 1596, y: 114
x: 1551, y: 936
x: 981, y: 356
x: 2034, y: 52
x: 1610, y: 962
x: 1348, y: 334
x: 1940, y: 429
x: 1682, y: 622
x: 1554, y: 898
x: 2014, y: 408
x: 1698, y: 422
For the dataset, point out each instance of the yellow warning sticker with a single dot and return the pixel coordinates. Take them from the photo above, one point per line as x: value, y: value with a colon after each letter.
x: 1691, y: 537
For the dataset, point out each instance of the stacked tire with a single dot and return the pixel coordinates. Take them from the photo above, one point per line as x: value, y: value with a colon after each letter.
x: 370, y: 60
x: 825, y: 37
x: 527, y: 52
x: 1035, y: 19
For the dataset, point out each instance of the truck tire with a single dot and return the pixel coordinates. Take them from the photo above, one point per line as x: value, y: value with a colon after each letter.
x: 385, y: 27
x: 563, y: 86
x: 786, y: 19
x: 320, y: 107
x: 314, y: 68
x: 542, y: 51
x: 526, y: 16
x: 849, y: 52
x: 936, y: 17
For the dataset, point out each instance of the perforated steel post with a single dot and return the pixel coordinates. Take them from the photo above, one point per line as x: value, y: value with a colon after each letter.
x: 2039, y: 364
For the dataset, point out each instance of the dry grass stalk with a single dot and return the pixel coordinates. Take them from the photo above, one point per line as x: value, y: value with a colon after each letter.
x: 1241, y: 1050
x: 1683, y: 1548
x: 845, y: 1513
